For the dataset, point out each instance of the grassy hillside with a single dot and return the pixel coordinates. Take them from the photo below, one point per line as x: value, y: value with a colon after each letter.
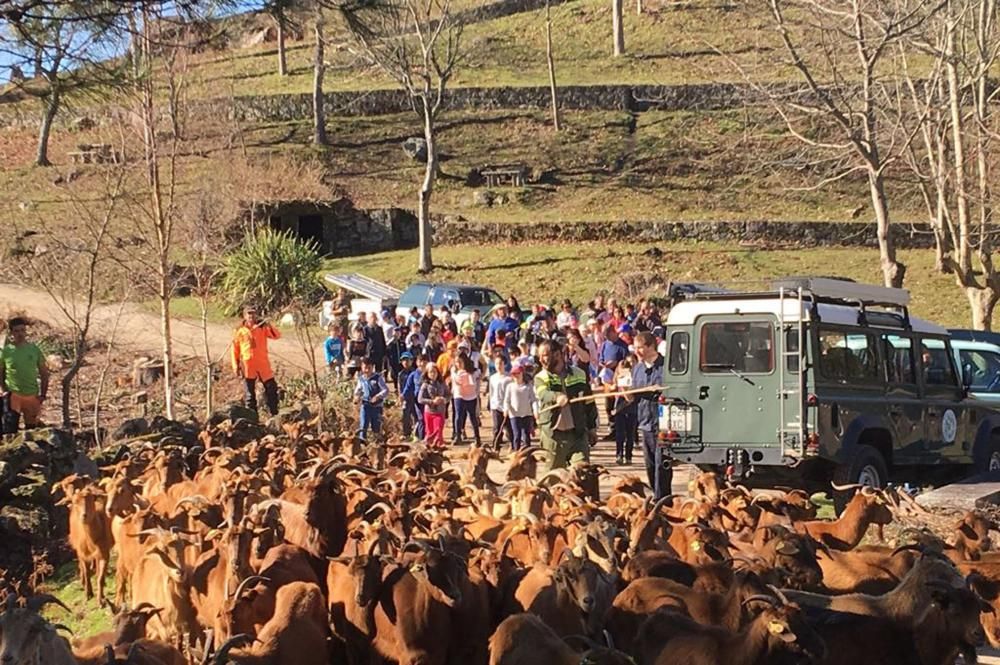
x: 669, y: 42
x: 578, y: 271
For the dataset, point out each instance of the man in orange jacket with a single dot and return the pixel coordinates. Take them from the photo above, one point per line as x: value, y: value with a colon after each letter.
x: 249, y: 356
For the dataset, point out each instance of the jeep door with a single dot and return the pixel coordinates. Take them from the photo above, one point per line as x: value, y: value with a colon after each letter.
x: 736, y: 382
x: 849, y: 380
x: 906, y: 408
x: 947, y: 432
x: 983, y: 368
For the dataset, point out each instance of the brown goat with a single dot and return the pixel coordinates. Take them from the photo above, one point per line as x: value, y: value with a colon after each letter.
x: 90, y: 537
x: 646, y: 595
x: 572, y: 598
x: 865, y: 508
x: 524, y: 639
x: 950, y: 626
x: 670, y: 638
x: 296, y: 633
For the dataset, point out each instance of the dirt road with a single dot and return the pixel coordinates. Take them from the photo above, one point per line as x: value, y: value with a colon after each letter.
x: 139, y: 329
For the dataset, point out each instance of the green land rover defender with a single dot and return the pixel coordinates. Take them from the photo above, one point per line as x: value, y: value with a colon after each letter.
x: 812, y: 380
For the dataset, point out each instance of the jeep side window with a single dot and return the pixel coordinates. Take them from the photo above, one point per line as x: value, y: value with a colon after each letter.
x: 680, y: 342
x: 937, y: 367
x: 985, y: 368
x: 899, y: 360
x: 847, y: 357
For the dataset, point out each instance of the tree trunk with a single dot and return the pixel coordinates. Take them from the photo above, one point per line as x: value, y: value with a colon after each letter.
x: 168, y: 348
x: 282, y: 61
x: 319, y: 114
x: 893, y: 271
x: 638, y: 7
x: 982, y: 303
x: 66, y: 383
x: 617, y: 27
x: 48, y: 116
x: 552, y: 67
x: 426, y: 189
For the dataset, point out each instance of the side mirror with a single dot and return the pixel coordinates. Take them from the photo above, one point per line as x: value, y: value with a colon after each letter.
x: 967, y: 378
x: 456, y: 306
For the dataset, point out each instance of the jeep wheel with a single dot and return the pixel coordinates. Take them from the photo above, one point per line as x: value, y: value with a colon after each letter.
x: 866, y: 467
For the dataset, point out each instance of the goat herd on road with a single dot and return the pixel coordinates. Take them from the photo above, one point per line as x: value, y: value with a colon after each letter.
x: 300, y: 550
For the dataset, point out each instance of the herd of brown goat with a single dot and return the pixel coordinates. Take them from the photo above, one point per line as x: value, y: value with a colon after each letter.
x: 296, y: 551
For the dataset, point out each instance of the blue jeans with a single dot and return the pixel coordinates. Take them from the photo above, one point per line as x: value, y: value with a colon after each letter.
x: 625, y: 424
x: 521, y: 427
x: 501, y: 428
x: 660, y: 474
x: 413, y: 418
x: 467, y: 409
x: 371, y: 417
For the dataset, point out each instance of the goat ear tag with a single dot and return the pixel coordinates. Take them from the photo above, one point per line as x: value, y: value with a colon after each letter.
x: 788, y: 549
x: 775, y: 627
x: 696, y: 546
x: 691, y: 485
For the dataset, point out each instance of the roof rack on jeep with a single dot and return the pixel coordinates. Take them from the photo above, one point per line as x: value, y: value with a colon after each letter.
x: 828, y: 288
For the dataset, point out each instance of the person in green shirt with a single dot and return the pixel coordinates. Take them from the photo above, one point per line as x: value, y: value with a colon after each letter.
x: 24, y: 378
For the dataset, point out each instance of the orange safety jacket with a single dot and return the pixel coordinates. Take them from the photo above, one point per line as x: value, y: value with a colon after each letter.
x: 249, y: 351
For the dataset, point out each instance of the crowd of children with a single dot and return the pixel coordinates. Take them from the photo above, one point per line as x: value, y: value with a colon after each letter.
x: 438, y: 366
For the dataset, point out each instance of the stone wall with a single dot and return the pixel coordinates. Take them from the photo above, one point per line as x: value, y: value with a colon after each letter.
x: 449, y: 231
x: 285, y: 108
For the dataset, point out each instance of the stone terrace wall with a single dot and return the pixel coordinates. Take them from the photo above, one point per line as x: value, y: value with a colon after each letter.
x: 806, y: 234
x: 696, y: 97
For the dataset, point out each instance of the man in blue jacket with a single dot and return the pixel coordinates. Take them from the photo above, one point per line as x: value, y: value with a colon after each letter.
x: 649, y: 372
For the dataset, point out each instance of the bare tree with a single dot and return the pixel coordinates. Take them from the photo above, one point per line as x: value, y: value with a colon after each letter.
x: 846, y: 106
x: 952, y: 110
x: 72, y: 270
x: 419, y: 44
x: 617, y: 28
x: 550, y: 60
x: 319, y: 71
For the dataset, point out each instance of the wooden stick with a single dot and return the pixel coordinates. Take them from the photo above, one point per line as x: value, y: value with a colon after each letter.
x: 597, y: 396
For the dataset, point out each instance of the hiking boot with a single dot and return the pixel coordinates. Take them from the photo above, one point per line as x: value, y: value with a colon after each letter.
x: 619, y: 460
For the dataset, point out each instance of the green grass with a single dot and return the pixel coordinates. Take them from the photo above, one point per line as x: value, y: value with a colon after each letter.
x: 86, y: 617
x: 189, y: 307
x: 549, y: 273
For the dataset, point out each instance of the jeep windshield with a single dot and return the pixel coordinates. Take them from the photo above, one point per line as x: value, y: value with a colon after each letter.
x: 737, y: 348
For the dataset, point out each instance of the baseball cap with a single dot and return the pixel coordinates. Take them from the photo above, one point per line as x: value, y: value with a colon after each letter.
x: 406, y: 355
x: 625, y: 328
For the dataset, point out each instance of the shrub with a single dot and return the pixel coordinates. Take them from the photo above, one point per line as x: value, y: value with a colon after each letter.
x: 271, y: 270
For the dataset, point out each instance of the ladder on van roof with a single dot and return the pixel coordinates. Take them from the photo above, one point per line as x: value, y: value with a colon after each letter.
x: 795, y: 429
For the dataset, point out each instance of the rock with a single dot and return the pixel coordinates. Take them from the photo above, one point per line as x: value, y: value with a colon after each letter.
x: 501, y: 199
x: 131, y: 429
x: 55, y: 362
x: 654, y: 253
x: 234, y: 413
x: 296, y: 413
x: 415, y: 148
x: 84, y: 466
x: 34, y: 489
x: 25, y: 520
x: 483, y: 198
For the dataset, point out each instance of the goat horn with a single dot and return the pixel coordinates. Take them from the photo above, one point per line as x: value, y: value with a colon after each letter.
x: 109, y: 655
x: 236, y: 641
x: 910, y: 547
x: 777, y: 592
x: 59, y: 626
x: 770, y: 600
x: 39, y: 601
x: 844, y: 488
x: 381, y: 504
x: 244, y: 583
x: 608, y: 639
x: 659, y: 504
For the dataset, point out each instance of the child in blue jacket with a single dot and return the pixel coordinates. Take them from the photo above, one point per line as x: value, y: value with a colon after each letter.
x: 413, y: 413
x: 370, y: 391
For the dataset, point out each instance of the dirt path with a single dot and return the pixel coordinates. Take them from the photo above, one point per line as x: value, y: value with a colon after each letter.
x: 139, y: 329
